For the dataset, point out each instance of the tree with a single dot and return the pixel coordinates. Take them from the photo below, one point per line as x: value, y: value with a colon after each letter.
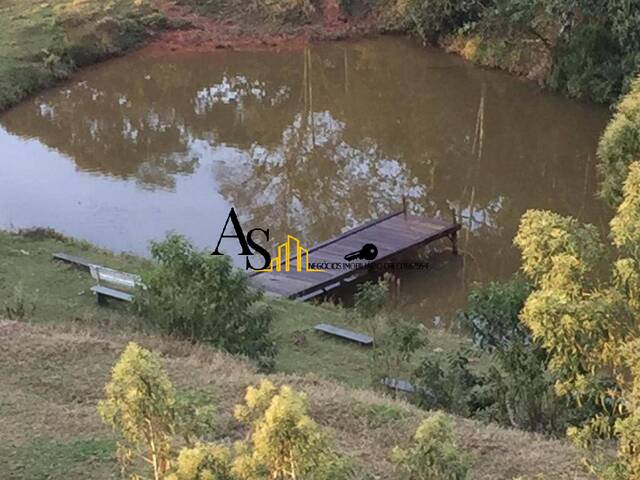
x: 139, y: 405
x: 284, y: 442
x: 620, y: 146
x: 434, y: 454
x: 589, y: 326
x: 200, y: 297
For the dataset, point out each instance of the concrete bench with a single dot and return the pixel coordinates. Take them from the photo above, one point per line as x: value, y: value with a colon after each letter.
x: 398, y: 385
x: 360, y: 338
x: 115, y: 277
x: 103, y: 293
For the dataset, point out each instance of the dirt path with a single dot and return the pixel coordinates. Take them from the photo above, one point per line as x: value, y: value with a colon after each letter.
x: 202, y: 33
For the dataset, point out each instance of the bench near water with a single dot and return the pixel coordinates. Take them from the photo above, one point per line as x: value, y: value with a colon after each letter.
x: 360, y: 338
x: 104, y: 274
x: 102, y: 293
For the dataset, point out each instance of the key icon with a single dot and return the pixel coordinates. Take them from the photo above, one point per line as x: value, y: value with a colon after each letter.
x: 368, y: 252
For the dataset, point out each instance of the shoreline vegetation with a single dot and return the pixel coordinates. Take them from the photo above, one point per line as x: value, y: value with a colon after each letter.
x: 54, y: 322
x: 582, y: 53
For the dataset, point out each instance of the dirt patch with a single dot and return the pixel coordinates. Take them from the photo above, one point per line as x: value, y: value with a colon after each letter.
x: 195, y: 32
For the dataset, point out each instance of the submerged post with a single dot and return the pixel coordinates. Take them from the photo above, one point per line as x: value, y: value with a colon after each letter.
x: 404, y: 206
x: 454, y: 236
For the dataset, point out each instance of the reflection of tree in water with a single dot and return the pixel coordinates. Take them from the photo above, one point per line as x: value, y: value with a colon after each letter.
x: 315, y: 183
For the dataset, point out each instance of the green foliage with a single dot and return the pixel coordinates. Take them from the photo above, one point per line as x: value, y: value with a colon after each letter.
x: 433, y: 19
x: 194, y: 415
x: 590, y: 328
x: 395, y: 349
x: 434, y: 454
x: 203, y: 462
x: 620, y: 146
x: 588, y: 64
x: 547, y: 241
x: 447, y: 383
x: 139, y: 405
x: 492, y: 313
x: 285, y: 443
x: 370, y: 298
x: 624, y: 226
x: 200, y: 297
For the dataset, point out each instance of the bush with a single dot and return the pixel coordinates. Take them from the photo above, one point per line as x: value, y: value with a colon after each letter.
x: 203, y: 462
x: 492, y: 314
x: 200, y: 297
x: 395, y: 349
x: 589, y: 64
x: 285, y: 443
x: 447, y: 384
x: 139, y: 405
x: 619, y: 146
x: 434, y: 454
x: 433, y: 19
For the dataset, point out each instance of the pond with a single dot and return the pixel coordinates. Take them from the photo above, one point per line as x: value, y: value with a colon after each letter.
x: 308, y: 142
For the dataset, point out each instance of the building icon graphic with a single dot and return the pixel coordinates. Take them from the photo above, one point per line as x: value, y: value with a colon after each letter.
x: 284, y: 257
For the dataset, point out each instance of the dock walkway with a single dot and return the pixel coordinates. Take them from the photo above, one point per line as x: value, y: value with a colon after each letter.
x: 392, y: 235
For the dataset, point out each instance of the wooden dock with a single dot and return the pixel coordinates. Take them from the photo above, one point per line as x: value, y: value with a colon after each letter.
x: 393, y: 235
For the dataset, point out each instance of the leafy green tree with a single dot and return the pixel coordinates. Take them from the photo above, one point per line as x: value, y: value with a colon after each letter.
x: 200, y: 297
x: 620, y: 146
x: 589, y: 326
x: 284, y: 442
x: 139, y: 405
x: 434, y: 454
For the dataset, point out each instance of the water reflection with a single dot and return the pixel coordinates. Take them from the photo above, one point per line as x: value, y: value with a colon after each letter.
x: 309, y: 143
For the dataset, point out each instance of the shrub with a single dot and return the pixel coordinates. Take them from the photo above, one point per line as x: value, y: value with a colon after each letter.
x: 285, y: 443
x: 395, y: 349
x: 200, y: 297
x: 203, y: 462
x: 370, y: 298
x: 434, y: 454
x: 434, y: 19
x: 139, y: 405
x: 447, y: 383
x: 492, y: 313
x: 619, y: 146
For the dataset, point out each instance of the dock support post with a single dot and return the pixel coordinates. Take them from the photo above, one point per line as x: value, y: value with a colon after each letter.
x: 404, y: 207
x: 454, y: 236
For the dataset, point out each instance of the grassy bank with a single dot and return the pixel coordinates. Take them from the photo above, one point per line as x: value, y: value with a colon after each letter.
x: 42, y: 42
x: 51, y: 378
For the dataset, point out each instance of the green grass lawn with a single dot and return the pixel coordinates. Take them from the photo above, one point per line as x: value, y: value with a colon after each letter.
x: 51, y: 291
x: 43, y: 41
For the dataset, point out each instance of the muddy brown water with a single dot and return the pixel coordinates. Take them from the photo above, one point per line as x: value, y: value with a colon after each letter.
x: 309, y: 143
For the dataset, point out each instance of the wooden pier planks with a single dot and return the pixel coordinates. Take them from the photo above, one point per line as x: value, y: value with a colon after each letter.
x: 393, y: 234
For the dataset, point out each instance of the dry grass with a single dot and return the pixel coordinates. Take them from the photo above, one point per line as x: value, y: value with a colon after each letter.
x: 51, y: 378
